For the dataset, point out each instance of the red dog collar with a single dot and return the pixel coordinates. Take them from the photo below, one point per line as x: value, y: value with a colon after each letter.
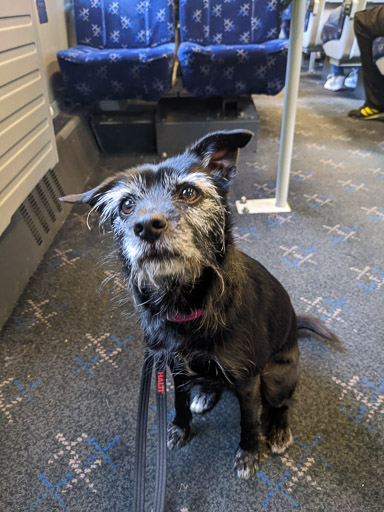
x: 178, y: 317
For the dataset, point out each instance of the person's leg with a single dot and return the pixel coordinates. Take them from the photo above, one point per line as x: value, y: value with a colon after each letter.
x: 368, y: 25
x: 335, y: 82
x: 337, y: 70
x: 350, y: 81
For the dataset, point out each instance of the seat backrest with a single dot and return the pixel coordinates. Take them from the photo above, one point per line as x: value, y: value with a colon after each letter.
x: 209, y: 22
x: 317, y: 13
x: 138, y: 24
x: 378, y: 53
x: 378, y: 48
x: 339, y: 41
x: 334, y: 25
x: 123, y: 23
x: 89, y: 22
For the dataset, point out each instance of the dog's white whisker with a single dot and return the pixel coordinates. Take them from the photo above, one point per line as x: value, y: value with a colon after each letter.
x: 89, y: 213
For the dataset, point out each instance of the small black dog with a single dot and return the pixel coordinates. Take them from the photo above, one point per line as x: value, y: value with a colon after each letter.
x: 217, y: 316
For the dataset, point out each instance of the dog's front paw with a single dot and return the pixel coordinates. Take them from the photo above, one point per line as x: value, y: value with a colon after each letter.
x: 204, y: 402
x: 279, y: 439
x: 246, y: 464
x: 178, y: 437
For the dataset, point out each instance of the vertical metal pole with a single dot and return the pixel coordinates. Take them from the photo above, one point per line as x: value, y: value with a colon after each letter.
x: 312, y: 62
x: 290, y: 100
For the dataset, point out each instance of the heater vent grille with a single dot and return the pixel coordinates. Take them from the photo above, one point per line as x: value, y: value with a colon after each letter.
x: 42, y: 207
x: 31, y: 225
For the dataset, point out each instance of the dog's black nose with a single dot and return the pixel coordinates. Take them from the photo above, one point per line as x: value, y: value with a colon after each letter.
x: 150, y: 226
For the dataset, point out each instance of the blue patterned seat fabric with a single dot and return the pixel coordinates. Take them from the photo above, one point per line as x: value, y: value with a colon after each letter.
x: 231, y: 47
x: 286, y: 20
x: 89, y: 22
x: 94, y: 74
x: 125, y: 50
x: 333, y: 27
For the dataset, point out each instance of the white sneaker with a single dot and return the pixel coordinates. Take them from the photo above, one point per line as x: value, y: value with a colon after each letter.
x: 351, y: 81
x: 336, y: 83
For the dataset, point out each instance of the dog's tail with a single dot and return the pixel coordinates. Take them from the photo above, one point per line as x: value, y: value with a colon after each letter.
x: 314, y: 324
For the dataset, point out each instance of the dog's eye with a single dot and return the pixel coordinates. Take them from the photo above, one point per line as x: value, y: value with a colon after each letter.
x: 127, y: 206
x: 189, y: 194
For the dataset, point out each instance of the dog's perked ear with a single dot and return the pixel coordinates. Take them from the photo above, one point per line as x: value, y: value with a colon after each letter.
x: 92, y: 196
x: 219, y: 152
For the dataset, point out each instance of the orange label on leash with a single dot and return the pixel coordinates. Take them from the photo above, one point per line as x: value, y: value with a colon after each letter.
x: 160, y: 383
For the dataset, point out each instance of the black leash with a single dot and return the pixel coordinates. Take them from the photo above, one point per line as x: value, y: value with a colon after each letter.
x: 141, y: 436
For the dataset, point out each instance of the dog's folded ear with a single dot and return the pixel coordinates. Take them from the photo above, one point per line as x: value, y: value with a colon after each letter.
x: 219, y: 152
x: 92, y: 196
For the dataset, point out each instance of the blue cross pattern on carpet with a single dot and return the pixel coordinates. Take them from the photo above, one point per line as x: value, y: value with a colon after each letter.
x: 368, y: 399
x: 378, y: 172
x: 375, y: 214
x: 339, y: 233
x: 245, y: 234
x: 296, y: 256
x: 295, y: 473
x: 83, y: 456
x: 103, y: 354
x: 352, y: 186
x: 332, y: 165
x: 265, y: 190
x: 113, y: 284
x: 67, y: 257
x: 278, y: 219
x: 371, y: 279
x: 22, y: 394
x: 301, y: 175
x: 42, y: 314
x: 318, y: 200
x: 328, y: 309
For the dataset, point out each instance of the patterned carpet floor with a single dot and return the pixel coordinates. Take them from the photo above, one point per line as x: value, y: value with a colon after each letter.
x: 70, y: 355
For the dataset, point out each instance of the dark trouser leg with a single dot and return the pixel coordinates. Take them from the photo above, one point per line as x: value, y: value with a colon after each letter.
x: 368, y: 25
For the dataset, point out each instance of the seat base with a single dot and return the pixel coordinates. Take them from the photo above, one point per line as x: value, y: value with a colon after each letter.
x: 130, y: 131
x: 94, y: 75
x: 182, y: 120
x: 220, y: 70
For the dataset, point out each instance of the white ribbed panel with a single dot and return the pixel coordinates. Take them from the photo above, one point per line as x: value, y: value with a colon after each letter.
x: 27, y: 140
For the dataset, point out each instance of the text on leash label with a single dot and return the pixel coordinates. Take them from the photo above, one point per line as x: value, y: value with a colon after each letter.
x: 160, y: 383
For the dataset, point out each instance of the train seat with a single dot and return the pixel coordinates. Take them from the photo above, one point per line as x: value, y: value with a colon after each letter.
x: 378, y: 53
x: 231, y: 48
x: 123, y: 52
x: 286, y: 17
x: 332, y: 32
x: 338, y: 36
x: 317, y: 13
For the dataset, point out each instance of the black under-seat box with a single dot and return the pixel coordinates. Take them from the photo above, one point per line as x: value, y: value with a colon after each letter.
x: 181, y: 121
x: 124, y: 132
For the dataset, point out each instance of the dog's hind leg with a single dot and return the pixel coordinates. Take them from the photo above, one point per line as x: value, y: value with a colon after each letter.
x: 278, y: 383
x: 205, y: 400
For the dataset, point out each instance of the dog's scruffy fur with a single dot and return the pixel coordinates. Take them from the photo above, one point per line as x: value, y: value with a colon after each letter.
x: 216, y: 316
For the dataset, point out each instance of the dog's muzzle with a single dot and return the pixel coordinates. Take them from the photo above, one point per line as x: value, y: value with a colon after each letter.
x: 150, y: 226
